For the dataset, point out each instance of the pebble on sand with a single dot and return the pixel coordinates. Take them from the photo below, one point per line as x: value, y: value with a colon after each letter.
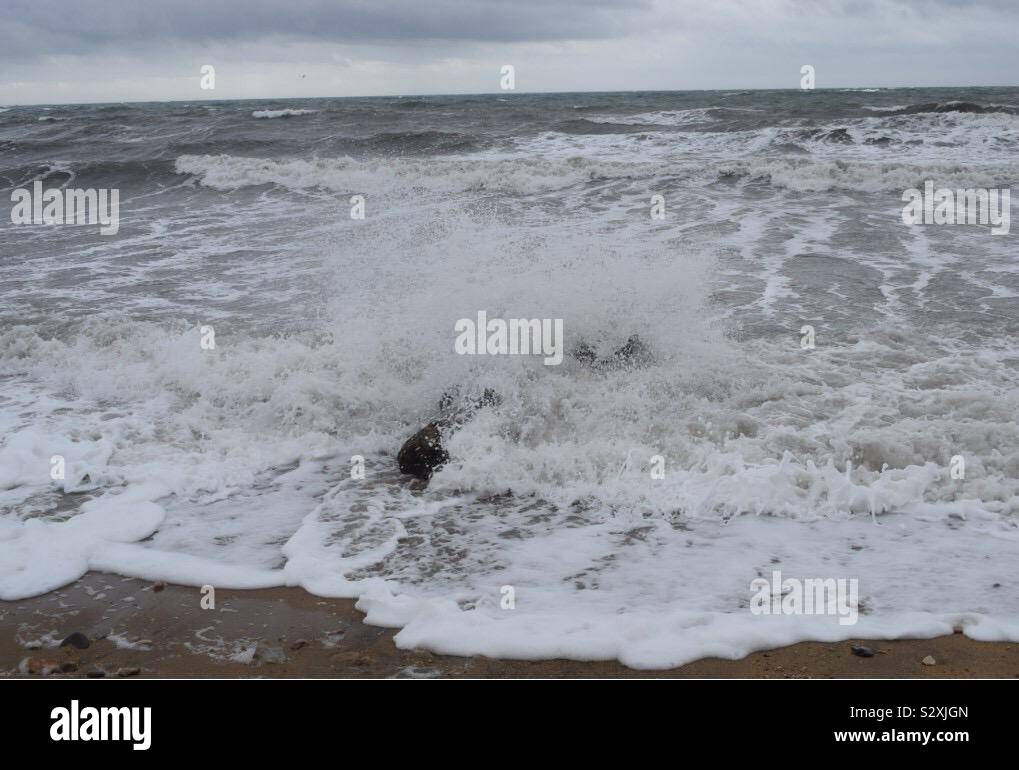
x: 38, y: 666
x: 77, y: 640
x: 268, y: 653
x: 929, y: 660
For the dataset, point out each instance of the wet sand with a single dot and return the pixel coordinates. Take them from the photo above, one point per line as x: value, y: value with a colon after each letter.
x: 164, y: 632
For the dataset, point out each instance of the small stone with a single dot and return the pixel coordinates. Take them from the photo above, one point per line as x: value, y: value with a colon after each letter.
x: 353, y: 658
x: 929, y: 661
x: 77, y: 640
x: 128, y: 671
x: 246, y: 656
x: 97, y: 673
x: 863, y: 652
x: 298, y: 644
x: 417, y: 672
x: 34, y: 666
x: 158, y: 586
x: 269, y: 653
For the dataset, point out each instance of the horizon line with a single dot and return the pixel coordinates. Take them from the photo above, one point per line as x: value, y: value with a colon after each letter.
x: 496, y: 93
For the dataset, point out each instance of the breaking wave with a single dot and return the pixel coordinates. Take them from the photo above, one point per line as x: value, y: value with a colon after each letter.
x: 287, y: 113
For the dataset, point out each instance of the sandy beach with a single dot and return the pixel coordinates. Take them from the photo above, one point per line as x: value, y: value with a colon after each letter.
x: 138, y: 628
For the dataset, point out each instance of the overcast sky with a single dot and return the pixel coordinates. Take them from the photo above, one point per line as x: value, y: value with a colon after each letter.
x: 140, y: 50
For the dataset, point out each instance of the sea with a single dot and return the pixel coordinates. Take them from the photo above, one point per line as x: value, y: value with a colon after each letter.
x: 831, y: 392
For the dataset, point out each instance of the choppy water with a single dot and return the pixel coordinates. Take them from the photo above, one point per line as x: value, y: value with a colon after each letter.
x: 334, y: 338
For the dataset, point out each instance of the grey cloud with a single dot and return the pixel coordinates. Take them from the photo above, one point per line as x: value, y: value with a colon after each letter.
x: 34, y: 28
x: 148, y: 49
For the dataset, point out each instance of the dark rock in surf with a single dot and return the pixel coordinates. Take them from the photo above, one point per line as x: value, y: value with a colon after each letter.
x: 633, y: 353
x: 422, y: 454
x: 585, y: 353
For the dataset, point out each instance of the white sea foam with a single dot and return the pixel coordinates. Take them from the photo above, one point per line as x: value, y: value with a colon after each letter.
x: 796, y: 462
x: 225, y: 172
x: 287, y: 113
x: 661, y: 117
x: 530, y: 176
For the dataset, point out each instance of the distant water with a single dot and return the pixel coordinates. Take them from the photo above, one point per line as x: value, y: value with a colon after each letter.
x: 334, y: 338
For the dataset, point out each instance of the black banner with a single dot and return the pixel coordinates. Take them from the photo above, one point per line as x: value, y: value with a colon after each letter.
x: 247, y: 717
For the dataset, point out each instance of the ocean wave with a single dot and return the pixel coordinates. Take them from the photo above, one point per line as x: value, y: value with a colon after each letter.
x: 415, y: 142
x: 580, y: 126
x: 111, y: 173
x: 598, y: 108
x: 529, y: 175
x: 674, y: 117
x: 953, y: 106
x: 818, y: 175
x: 287, y: 113
x: 409, y: 175
x: 836, y: 135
